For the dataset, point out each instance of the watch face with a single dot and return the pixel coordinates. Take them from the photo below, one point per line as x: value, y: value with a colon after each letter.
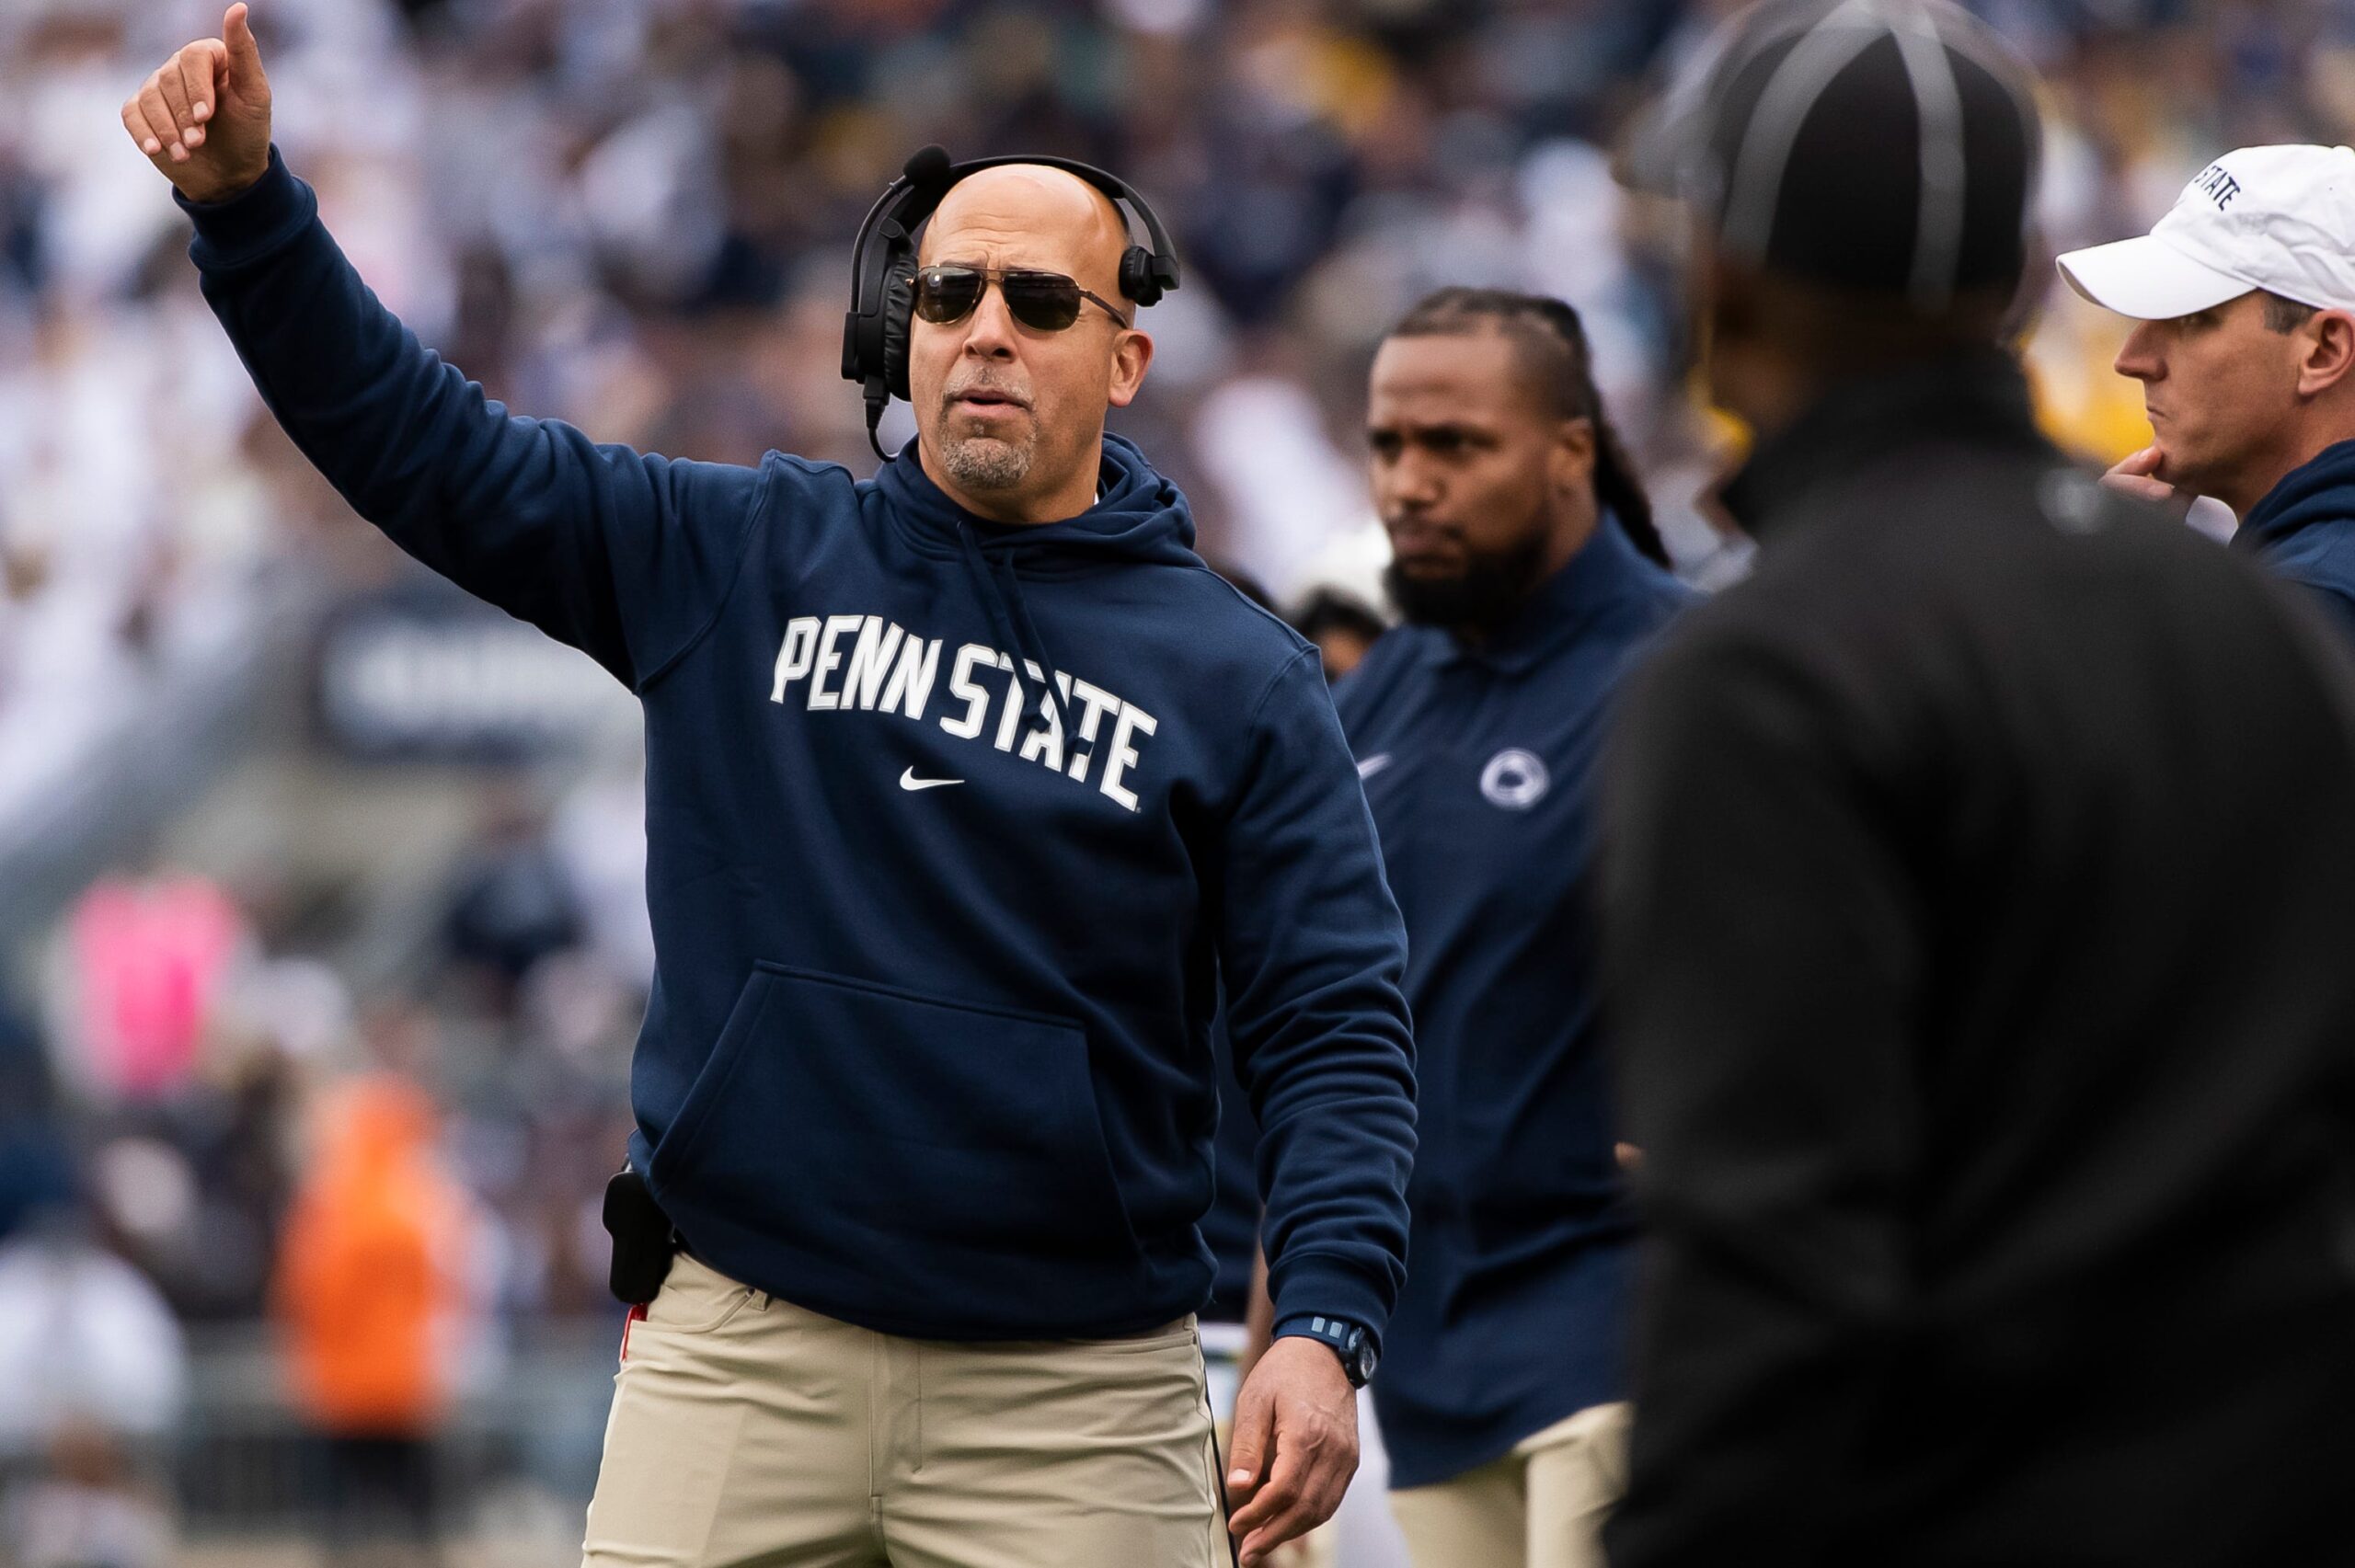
x: 1362, y: 1366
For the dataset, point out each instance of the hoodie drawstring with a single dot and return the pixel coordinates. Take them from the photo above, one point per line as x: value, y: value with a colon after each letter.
x: 1036, y: 646
x: 1001, y: 592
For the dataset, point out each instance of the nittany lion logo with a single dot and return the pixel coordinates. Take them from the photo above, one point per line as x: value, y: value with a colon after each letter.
x: 1513, y: 779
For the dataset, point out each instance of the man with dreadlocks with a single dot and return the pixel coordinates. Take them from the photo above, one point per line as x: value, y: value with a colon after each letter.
x: 1531, y: 576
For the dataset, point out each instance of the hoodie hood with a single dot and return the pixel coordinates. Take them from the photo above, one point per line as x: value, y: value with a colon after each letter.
x: 2320, y: 490
x: 1138, y: 517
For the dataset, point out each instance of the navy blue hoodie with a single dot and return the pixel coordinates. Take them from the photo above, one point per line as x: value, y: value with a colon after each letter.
x: 953, y: 831
x: 2304, y: 530
x: 1478, y: 761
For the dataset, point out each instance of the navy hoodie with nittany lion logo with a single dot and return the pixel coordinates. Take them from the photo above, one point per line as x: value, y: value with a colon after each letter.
x: 953, y: 832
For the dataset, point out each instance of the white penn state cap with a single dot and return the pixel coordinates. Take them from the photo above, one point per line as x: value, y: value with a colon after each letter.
x: 2281, y: 219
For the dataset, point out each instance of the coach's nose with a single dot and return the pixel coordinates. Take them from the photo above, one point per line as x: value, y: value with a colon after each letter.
x: 2140, y: 356
x: 989, y: 334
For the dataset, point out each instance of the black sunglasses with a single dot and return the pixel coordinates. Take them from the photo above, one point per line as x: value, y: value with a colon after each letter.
x: 1046, y: 302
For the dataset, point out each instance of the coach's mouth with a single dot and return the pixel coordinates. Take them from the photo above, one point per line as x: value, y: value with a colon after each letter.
x: 987, y: 399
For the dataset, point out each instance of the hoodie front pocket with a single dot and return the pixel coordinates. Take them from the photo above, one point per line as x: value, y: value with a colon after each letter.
x: 866, y: 1126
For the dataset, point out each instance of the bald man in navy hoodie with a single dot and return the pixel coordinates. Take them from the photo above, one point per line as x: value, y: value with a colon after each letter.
x: 968, y: 789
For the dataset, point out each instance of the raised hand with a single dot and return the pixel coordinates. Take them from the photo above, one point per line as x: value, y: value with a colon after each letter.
x: 2137, y: 475
x: 203, y: 116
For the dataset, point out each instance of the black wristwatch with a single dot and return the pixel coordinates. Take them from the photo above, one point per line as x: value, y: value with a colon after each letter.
x: 1351, y: 1341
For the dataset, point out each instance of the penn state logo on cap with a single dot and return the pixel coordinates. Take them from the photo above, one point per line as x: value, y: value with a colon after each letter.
x: 2281, y: 219
x: 1514, y: 779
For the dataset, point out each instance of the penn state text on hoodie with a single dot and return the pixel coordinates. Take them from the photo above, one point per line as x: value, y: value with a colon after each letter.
x: 952, y: 831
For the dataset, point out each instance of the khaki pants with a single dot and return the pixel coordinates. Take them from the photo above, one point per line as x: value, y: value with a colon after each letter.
x: 1540, y: 1507
x: 748, y: 1431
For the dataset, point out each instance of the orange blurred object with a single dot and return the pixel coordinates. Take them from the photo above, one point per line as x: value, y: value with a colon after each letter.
x: 362, y: 1286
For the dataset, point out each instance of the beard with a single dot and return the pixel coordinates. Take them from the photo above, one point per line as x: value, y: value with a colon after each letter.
x: 983, y: 463
x: 988, y: 462
x: 1481, y: 597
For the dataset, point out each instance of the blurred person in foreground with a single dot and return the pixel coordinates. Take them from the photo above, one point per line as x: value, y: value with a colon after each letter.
x: 1979, y: 876
x: 1531, y: 580
x: 2244, y: 304
x: 370, y: 1290
x: 969, y: 788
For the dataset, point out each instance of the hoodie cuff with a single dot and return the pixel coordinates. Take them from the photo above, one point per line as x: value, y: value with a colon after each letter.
x: 1325, y: 1287
x: 262, y: 218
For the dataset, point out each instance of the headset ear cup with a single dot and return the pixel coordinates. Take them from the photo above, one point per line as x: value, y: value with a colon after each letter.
x: 899, y: 316
x: 1137, y: 280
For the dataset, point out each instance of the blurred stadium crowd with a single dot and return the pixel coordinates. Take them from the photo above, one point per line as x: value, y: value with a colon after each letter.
x: 635, y: 214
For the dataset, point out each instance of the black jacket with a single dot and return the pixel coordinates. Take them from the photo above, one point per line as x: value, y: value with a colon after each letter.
x: 1981, y: 923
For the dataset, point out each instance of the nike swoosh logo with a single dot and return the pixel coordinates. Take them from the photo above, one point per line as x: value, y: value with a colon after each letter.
x: 909, y: 781
x: 1374, y: 765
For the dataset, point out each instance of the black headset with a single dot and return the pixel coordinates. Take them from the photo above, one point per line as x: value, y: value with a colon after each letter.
x: 883, y: 267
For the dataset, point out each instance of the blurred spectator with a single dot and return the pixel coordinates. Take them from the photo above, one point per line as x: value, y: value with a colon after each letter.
x: 148, y: 958
x: 90, y: 1508
x: 599, y: 837
x: 370, y: 1289
x: 85, y: 1339
x: 34, y: 1174
x: 1341, y: 627
x: 512, y: 904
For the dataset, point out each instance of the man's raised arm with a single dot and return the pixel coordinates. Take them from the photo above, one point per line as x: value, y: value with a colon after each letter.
x: 624, y: 557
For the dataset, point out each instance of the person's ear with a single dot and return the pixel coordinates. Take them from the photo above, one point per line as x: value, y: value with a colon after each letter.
x: 1131, y: 353
x: 1570, y: 460
x: 2327, y: 341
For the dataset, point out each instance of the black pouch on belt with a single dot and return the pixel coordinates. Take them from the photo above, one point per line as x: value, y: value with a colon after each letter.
x: 643, y: 1240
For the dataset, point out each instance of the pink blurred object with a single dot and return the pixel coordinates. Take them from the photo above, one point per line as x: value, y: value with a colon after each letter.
x: 150, y: 958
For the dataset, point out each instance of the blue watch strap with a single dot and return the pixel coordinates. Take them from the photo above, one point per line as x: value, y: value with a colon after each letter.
x: 1341, y: 1334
